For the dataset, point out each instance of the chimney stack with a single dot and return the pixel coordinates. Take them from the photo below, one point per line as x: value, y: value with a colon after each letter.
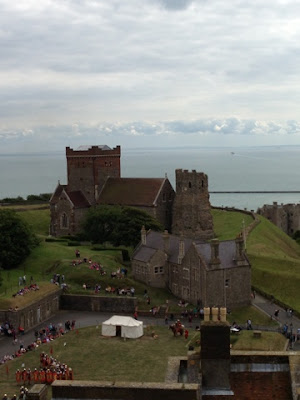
x: 166, y: 239
x: 143, y: 235
x: 181, y: 249
x: 214, y: 246
x: 239, y: 249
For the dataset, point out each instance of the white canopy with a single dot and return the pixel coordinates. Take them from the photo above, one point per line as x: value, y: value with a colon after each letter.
x: 127, y: 326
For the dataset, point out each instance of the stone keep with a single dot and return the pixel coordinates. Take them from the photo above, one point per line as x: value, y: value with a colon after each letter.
x: 191, y: 210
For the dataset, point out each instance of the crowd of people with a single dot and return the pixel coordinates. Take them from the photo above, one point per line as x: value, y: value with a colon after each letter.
x: 44, y: 335
x: 22, y: 396
x: 49, y: 371
x: 26, y: 289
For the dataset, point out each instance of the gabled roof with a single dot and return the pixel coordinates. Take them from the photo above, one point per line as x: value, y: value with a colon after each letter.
x: 55, y: 197
x: 131, y: 191
x: 155, y: 242
x: 78, y: 199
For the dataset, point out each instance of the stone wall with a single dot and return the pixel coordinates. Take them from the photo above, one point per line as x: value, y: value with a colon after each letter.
x: 35, y: 313
x: 124, y: 390
x: 117, y: 304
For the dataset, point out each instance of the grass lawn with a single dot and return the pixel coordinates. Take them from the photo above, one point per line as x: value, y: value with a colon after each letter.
x: 31, y: 297
x: 228, y: 224
x: 93, y: 357
x: 269, y: 341
x: 241, y: 315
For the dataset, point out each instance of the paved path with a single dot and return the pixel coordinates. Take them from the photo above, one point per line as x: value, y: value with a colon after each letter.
x: 283, y: 317
x: 84, y: 319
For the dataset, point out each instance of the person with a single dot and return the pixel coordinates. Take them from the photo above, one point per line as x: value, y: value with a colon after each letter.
x: 135, y: 315
x: 18, y: 376
x: 276, y: 313
x: 186, y: 333
x: 249, y: 324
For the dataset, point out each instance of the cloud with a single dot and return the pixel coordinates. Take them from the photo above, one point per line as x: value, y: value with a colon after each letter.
x: 192, y: 63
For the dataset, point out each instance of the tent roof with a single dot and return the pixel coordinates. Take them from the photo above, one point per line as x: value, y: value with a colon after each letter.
x: 124, y: 321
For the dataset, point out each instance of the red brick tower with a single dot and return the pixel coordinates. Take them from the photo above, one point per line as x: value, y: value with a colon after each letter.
x: 88, y: 167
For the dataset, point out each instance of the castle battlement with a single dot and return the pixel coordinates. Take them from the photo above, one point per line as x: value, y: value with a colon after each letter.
x: 94, y: 151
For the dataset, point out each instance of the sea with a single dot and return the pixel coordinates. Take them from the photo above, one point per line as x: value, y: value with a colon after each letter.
x: 248, y: 169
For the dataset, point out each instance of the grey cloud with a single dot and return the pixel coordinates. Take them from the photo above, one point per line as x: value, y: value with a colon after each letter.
x: 175, y: 4
x: 115, y: 131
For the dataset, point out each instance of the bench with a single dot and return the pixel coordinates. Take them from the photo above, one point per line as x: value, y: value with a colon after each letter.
x: 257, y: 334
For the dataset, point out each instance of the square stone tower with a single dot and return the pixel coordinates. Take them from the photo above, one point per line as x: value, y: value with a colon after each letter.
x: 191, y: 209
x: 88, y: 168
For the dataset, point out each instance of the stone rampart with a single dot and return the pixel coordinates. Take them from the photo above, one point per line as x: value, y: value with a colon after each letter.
x: 32, y: 315
x: 97, y: 303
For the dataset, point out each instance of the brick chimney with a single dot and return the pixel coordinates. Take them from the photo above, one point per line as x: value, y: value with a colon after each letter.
x: 214, y: 247
x: 215, y: 352
x: 143, y: 235
x: 181, y: 249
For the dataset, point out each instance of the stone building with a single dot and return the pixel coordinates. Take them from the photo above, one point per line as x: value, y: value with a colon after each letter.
x: 192, y: 211
x: 285, y: 216
x: 207, y: 273
x: 94, y: 177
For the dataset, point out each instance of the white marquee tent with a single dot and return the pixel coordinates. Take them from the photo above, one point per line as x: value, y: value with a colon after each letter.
x: 123, y: 326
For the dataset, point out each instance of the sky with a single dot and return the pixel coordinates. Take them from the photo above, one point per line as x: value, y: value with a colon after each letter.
x: 143, y: 73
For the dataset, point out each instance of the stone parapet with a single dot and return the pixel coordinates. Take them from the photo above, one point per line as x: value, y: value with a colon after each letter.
x: 124, y: 390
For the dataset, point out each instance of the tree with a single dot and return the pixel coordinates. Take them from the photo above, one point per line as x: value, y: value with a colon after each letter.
x: 16, y: 239
x: 117, y: 225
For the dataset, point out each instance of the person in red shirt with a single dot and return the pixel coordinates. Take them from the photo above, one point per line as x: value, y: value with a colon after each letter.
x: 186, y: 333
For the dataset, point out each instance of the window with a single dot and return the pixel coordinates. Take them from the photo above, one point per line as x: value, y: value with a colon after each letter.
x: 158, y: 270
x: 164, y: 197
x: 64, y: 223
x: 190, y: 185
x: 227, y: 282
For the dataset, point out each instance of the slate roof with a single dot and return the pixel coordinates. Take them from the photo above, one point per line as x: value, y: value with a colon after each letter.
x: 227, y: 250
x: 155, y: 242
x: 131, y: 191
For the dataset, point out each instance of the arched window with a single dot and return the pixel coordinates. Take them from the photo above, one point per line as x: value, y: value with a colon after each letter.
x: 64, y: 221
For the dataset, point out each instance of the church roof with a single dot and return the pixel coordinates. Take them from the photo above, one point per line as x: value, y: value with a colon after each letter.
x: 55, y: 197
x: 78, y: 199
x: 131, y: 191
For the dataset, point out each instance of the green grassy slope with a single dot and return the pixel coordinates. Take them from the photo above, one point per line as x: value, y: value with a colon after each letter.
x: 228, y: 224
x: 275, y: 260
